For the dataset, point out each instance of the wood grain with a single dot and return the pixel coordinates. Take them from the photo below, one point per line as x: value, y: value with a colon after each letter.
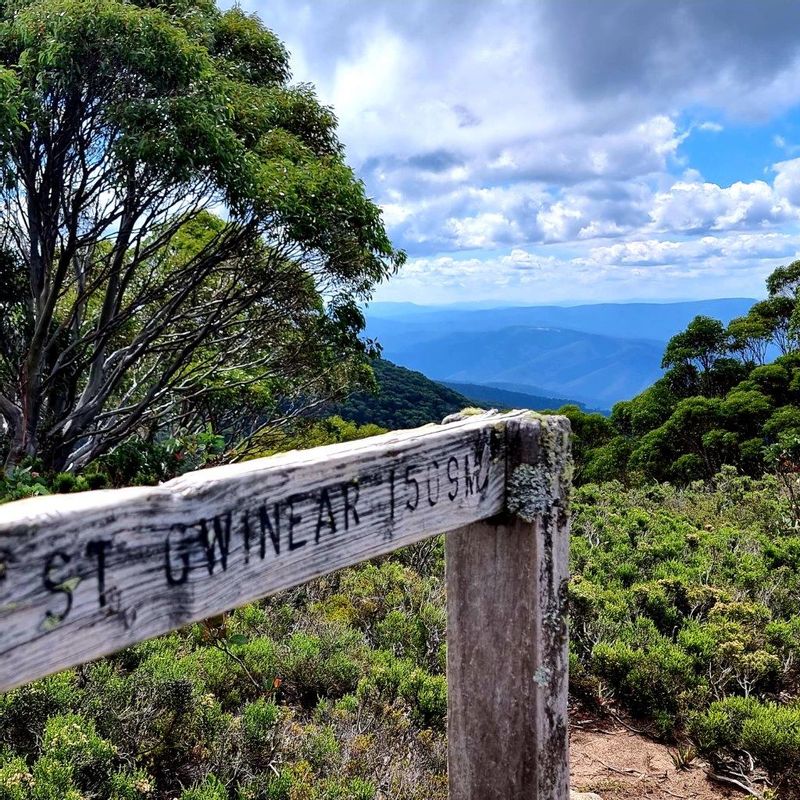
x: 84, y: 575
x: 507, y: 651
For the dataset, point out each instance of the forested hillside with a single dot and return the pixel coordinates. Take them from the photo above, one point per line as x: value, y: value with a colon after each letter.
x: 401, y: 398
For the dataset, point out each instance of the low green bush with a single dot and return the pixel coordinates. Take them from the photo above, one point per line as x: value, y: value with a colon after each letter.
x: 682, y: 599
x: 52, y: 779
x: 211, y: 789
x: 424, y: 694
x: 326, y: 664
x: 131, y: 785
x: 767, y: 730
x: 24, y: 712
x: 72, y: 739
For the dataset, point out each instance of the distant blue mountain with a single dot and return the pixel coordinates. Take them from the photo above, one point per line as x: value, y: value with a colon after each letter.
x: 597, y: 354
x: 597, y: 370
x: 657, y: 321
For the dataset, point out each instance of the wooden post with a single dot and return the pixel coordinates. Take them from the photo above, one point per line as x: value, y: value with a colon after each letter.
x: 507, y: 637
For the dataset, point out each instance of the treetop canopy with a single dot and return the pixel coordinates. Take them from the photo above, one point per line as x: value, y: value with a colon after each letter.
x: 186, y: 93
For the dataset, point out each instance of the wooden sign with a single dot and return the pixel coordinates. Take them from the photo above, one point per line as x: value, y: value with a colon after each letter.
x: 86, y: 574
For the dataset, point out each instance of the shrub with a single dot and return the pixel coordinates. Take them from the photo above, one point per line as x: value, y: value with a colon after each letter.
x: 320, y: 748
x: 325, y: 665
x: 96, y: 480
x: 425, y: 694
x: 768, y: 731
x: 22, y: 482
x: 266, y: 786
x: 53, y: 780
x: 651, y: 680
x: 259, y: 719
x: 136, y: 785
x: 24, y: 711
x: 211, y: 789
x: 259, y: 724
x: 15, y: 778
x: 71, y: 739
x: 260, y: 656
x: 64, y: 483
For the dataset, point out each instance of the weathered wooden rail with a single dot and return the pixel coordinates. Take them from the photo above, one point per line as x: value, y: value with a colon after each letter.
x: 84, y: 575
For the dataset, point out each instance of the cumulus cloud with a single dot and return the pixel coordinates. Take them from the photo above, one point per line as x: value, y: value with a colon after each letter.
x: 696, y: 206
x: 787, y: 180
x: 738, y: 247
x: 643, y: 269
x: 468, y: 218
x: 517, y: 128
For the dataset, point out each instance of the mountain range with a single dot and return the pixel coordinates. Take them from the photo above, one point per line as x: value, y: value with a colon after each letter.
x: 595, y: 354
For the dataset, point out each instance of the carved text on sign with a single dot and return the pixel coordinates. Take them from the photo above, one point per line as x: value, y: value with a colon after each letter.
x: 82, y: 575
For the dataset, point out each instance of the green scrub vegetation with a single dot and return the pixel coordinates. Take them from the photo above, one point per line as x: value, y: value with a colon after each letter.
x: 685, y: 615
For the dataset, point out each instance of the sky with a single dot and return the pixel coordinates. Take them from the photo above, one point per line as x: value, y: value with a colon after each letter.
x: 565, y: 151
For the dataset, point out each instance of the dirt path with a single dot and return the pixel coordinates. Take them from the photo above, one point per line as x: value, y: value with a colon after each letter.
x: 618, y: 764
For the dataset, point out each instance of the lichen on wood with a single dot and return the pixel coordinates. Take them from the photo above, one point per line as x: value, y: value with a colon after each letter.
x: 534, y: 490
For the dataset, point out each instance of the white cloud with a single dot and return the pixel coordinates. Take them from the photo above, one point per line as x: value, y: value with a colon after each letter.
x: 528, y: 213
x: 484, y: 231
x: 560, y: 221
x: 642, y: 269
x: 695, y: 206
x: 650, y: 251
x: 395, y: 213
x: 516, y: 127
x: 738, y: 247
x: 787, y: 180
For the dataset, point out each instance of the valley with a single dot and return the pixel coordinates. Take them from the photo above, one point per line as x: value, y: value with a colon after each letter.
x: 596, y: 355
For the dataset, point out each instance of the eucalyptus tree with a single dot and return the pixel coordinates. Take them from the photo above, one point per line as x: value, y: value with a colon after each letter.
x: 779, y: 312
x: 178, y: 224
x: 700, y: 345
x: 749, y: 336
